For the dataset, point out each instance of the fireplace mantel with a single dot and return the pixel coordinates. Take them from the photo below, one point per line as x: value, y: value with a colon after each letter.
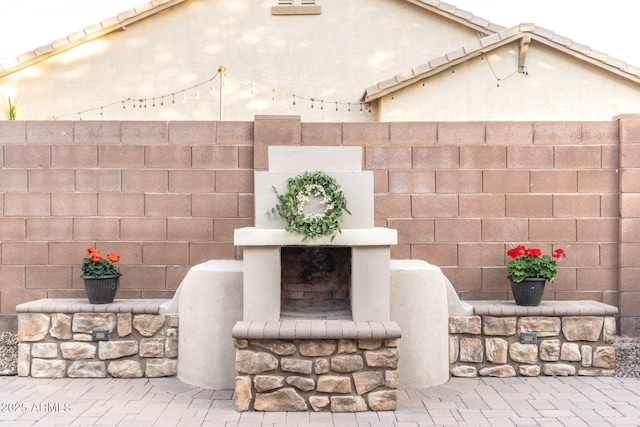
x: 377, y: 236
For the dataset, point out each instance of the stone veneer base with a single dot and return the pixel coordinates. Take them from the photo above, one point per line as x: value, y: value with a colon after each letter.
x: 55, y: 339
x: 316, y: 365
x: 572, y: 339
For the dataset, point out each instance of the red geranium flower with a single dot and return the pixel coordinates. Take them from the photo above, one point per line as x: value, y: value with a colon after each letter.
x: 529, y: 262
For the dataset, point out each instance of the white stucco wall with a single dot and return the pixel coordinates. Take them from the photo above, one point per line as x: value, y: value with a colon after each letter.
x: 557, y: 87
x: 332, y: 56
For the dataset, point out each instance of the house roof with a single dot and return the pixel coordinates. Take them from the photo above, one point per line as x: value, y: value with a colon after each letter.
x: 461, y: 16
x: 495, y: 36
x: 524, y: 33
x: 152, y: 7
x: 114, y: 23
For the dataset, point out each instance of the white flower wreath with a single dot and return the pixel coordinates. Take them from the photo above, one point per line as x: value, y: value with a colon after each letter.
x: 292, y: 205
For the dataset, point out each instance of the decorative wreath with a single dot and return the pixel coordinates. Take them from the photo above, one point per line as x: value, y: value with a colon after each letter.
x: 292, y: 204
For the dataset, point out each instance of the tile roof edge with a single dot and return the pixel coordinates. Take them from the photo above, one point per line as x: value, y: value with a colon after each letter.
x: 459, y: 15
x: 90, y: 32
x: 493, y: 41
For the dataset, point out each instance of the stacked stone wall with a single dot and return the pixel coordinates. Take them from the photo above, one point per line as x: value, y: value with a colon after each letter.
x: 337, y: 375
x: 566, y: 346
x: 58, y: 345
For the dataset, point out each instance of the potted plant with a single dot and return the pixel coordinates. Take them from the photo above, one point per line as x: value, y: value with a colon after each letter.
x: 529, y: 271
x: 101, y: 279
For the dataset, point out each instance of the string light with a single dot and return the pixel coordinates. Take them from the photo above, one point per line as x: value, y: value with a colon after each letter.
x: 499, y: 79
x: 142, y: 102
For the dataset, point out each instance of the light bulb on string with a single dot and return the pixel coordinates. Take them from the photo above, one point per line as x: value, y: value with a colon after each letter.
x: 197, y: 93
x: 273, y: 96
x: 349, y: 107
x: 253, y: 92
x: 294, y: 99
x: 336, y: 105
x: 173, y: 98
x: 184, y: 97
x: 162, y: 101
x: 322, y: 105
x: 311, y: 102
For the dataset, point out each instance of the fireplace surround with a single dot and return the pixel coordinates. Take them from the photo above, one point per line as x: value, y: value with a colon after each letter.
x: 326, y: 300
x: 225, y: 302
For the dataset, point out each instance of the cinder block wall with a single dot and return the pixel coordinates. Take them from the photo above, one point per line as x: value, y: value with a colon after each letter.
x: 168, y: 195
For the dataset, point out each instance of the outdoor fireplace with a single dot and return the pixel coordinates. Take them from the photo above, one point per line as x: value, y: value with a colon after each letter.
x: 305, y: 361
x: 316, y: 332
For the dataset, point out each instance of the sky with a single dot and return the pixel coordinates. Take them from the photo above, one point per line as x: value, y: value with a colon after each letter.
x: 603, y: 26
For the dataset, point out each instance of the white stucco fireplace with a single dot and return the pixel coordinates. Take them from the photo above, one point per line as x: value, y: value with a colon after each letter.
x: 347, y: 279
x: 389, y: 332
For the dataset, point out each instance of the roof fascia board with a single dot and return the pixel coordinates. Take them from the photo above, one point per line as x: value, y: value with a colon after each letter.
x: 63, y: 47
x: 439, y: 69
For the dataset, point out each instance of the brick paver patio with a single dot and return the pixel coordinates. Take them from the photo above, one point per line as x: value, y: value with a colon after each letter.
x: 540, y: 401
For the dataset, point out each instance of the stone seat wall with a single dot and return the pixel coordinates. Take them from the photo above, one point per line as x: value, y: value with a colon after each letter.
x: 55, y: 339
x: 572, y: 339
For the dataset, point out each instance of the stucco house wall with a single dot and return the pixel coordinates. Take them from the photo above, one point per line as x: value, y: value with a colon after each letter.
x: 488, y: 88
x: 168, y: 195
x: 164, y: 66
x: 331, y: 56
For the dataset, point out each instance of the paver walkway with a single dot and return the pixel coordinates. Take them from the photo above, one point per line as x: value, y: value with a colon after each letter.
x: 541, y: 401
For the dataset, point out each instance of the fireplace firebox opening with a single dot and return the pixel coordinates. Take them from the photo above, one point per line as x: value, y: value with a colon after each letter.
x: 315, y: 282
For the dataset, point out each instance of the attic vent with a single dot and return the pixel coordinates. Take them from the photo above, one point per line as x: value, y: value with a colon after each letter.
x: 296, y: 7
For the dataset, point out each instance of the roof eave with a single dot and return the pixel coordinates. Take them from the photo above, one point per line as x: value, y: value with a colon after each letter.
x: 93, y: 32
x: 438, y: 69
x: 458, y: 15
x: 587, y: 58
x: 389, y: 86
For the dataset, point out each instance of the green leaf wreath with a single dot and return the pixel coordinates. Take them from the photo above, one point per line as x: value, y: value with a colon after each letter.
x: 292, y: 203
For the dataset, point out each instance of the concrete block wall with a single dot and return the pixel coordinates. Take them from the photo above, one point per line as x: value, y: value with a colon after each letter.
x: 168, y: 195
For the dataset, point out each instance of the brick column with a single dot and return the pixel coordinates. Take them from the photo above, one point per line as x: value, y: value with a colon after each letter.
x: 629, y: 224
x: 274, y: 130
